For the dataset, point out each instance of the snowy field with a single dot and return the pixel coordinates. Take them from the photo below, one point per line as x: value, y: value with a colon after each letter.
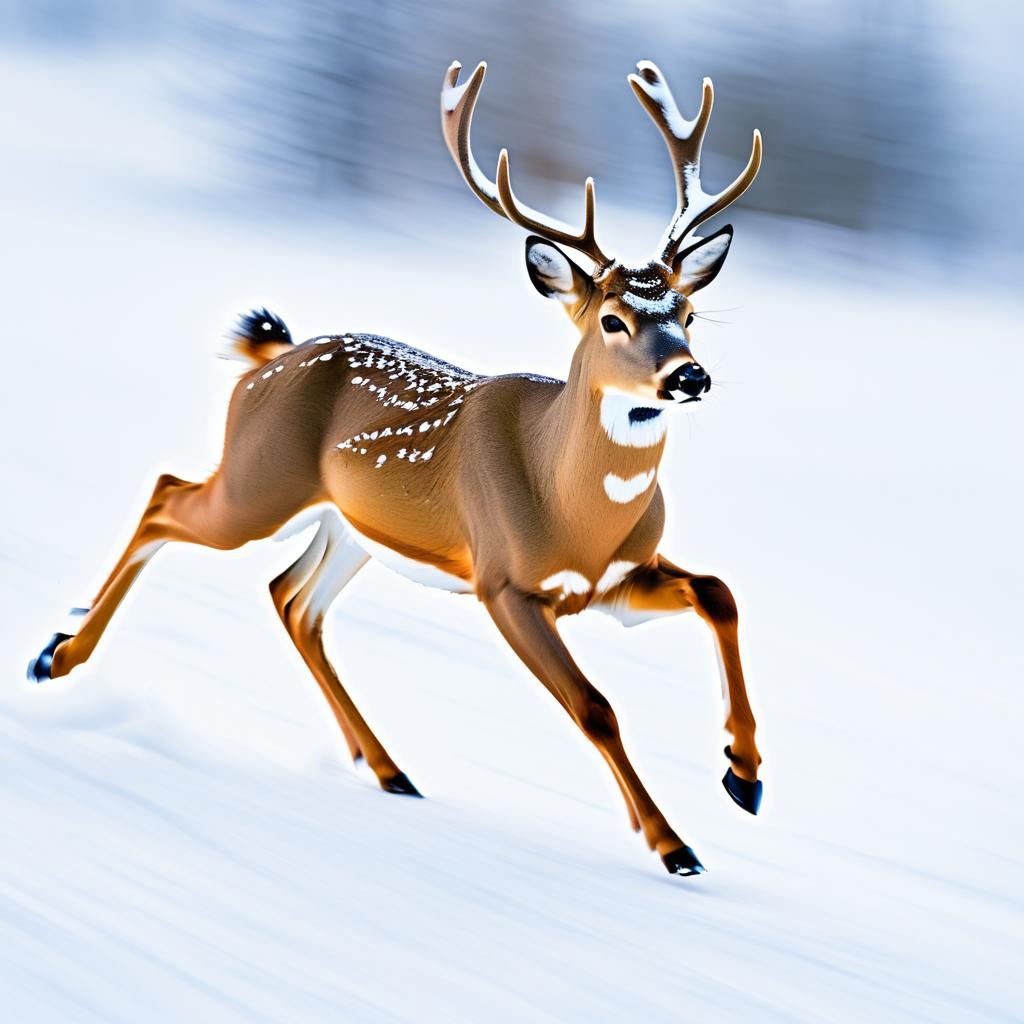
x: 181, y: 838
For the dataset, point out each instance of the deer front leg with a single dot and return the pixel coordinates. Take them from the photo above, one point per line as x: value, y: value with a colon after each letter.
x: 665, y: 588
x: 528, y: 624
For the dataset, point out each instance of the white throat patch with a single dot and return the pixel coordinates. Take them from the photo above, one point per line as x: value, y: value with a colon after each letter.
x: 615, y: 409
x: 624, y: 491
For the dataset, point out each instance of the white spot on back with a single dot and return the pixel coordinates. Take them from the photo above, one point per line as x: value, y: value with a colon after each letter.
x: 415, y: 372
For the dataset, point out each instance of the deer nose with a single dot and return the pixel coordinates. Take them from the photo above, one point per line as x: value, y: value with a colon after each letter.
x: 690, y: 378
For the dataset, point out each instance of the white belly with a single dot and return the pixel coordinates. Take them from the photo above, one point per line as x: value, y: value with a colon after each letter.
x: 410, y: 568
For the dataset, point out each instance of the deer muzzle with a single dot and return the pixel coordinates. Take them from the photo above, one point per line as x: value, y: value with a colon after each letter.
x: 686, y: 383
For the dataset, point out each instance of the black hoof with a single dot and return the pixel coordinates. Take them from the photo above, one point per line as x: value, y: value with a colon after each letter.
x: 39, y: 668
x: 683, y: 862
x: 401, y: 784
x: 746, y: 794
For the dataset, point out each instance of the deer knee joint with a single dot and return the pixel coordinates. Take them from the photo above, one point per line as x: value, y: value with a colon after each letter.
x: 166, y: 480
x: 293, y: 618
x: 166, y: 483
x: 713, y: 598
x: 597, y: 719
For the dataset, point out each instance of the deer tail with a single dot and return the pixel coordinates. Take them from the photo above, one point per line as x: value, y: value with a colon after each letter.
x: 258, y: 337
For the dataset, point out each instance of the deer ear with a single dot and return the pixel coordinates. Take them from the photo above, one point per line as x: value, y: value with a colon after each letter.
x: 699, y: 265
x: 553, y: 274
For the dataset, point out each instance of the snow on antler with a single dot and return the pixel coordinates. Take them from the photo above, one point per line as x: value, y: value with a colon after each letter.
x: 457, y: 104
x: 684, y: 139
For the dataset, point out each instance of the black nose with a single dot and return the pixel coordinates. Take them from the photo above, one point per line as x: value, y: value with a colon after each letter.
x: 690, y: 378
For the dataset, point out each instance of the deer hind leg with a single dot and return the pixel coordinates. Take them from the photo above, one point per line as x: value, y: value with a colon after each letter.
x: 302, y: 594
x: 178, y: 510
x: 666, y: 589
x: 289, y: 585
x: 529, y: 627
x: 156, y: 527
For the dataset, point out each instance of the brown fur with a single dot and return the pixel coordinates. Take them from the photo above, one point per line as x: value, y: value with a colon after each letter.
x: 498, y: 481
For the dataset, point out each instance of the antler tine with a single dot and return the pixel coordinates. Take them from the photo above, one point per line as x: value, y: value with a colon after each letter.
x: 585, y: 242
x: 684, y: 139
x: 457, y: 103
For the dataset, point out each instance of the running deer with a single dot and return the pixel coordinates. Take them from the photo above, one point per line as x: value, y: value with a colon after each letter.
x: 539, y: 496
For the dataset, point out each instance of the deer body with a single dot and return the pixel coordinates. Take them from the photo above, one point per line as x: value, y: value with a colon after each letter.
x: 538, y: 496
x: 400, y: 476
x: 401, y: 480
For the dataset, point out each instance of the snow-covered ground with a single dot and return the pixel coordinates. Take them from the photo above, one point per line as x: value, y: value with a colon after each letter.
x: 180, y: 836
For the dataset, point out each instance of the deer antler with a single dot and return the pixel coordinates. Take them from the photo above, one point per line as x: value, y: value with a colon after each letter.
x: 683, y: 139
x: 457, y: 103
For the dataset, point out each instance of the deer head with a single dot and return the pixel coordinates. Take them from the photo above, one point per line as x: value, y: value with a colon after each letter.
x: 634, y: 321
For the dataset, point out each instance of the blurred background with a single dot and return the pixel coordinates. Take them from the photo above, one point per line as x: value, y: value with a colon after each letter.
x: 882, y: 119
x: 169, y: 812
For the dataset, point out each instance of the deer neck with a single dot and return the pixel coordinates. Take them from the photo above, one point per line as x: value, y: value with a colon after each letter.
x: 591, y: 457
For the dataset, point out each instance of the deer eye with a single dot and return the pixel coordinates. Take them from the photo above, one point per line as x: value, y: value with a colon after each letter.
x: 689, y: 320
x: 612, y: 324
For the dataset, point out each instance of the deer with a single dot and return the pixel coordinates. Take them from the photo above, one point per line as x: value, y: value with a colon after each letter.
x: 538, y: 496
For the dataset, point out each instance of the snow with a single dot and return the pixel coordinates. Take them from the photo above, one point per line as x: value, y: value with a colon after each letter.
x: 652, y: 307
x: 182, y: 839
x: 659, y: 91
x: 451, y: 94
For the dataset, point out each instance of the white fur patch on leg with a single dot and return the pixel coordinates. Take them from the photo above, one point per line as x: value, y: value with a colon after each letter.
x: 342, y: 559
x: 630, y: 617
x: 725, y: 681
x: 303, y: 520
x: 567, y: 581
x: 613, y: 576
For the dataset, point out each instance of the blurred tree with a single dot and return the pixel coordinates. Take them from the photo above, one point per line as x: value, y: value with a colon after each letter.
x: 81, y: 22
x: 339, y: 98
